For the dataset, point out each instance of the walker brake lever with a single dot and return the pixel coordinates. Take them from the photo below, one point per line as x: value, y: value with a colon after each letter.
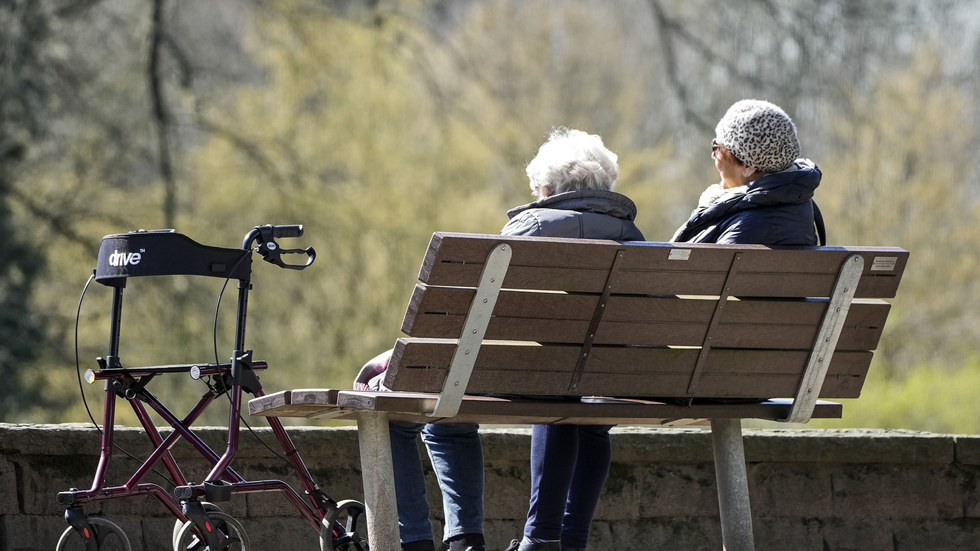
x: 271, y: 252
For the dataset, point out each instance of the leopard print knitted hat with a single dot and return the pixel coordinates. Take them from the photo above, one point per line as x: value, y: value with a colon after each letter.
x: 759, y: 134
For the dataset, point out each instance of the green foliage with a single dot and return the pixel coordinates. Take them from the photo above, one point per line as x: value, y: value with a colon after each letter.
x: 890, y: 181
x: 19, y: 330
x: 932, y: 397
x: 368, y: 175
x: 374, y: 124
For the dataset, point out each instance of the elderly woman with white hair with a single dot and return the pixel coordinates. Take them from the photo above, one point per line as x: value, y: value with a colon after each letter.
x: 572, y: 176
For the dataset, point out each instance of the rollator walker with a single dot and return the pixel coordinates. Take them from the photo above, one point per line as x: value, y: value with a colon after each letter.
x: 200, y: 524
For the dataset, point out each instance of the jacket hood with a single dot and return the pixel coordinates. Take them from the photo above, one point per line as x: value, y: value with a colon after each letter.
x: 791, y: 186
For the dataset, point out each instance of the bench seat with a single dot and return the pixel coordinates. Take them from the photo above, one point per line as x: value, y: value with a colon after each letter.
x: 317, y: 403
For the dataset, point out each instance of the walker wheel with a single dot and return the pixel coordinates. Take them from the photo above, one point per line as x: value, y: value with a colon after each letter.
x: 178, y: 524
x: 229, y: 532
x: 108, y: 537
x: 339, y: 529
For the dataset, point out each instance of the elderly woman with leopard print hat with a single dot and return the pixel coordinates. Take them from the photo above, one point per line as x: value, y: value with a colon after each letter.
x: 765, y: 195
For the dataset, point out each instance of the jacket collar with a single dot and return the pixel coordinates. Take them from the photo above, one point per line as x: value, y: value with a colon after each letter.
x: 584, y: 200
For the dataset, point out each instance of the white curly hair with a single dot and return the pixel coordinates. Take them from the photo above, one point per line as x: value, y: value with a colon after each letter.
x: 571, y: 160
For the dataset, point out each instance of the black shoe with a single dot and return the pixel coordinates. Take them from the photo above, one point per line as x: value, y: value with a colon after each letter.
x: 516, y: 545
x: 421, y: 545
x: 467, y: 542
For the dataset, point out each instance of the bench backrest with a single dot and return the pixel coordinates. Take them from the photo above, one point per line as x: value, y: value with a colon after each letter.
x: 582, y: 317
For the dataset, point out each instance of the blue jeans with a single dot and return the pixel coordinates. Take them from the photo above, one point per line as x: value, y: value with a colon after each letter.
x: 456, y: 452
x: 569, y: 465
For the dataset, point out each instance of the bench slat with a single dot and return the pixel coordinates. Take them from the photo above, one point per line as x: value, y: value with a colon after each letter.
x: 514, y: 368
x: 581, y: 265
x: 438, y: 312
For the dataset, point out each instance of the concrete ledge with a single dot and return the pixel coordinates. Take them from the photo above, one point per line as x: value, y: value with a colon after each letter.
x: 810, y: 489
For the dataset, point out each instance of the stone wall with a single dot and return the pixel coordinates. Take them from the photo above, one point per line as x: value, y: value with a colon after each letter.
x: 810, y: 489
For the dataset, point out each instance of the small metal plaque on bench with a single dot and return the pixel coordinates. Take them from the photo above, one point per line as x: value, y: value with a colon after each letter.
x: 679, y: 254
x: 884, y: 263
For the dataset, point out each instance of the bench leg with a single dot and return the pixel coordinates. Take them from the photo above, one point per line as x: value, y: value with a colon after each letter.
x: 733, y: 485
x: 379, y: 482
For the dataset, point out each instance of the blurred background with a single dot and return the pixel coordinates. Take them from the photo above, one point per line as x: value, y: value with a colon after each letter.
x: 374, y: 123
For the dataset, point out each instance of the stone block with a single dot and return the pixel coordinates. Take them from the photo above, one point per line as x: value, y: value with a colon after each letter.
x: 894, y: 492
x: 848, y: 446
x: 498, y: 533
x: 282, y: 532
x: 42, y: 532
x: 680, y: 490
x: 655, y: 445
x: 967, y: 450
x: 506, y: 445
x: 857, y: 534
x: 43, y: 477
x: 9, y: 492
x: 64, y: 439
x: 511, y: 491
x: 969, y: 480
x: 155, y: 534
x: 145, y: 506
x: 787, y: 533
x: 665, y: 533
x: 937, y: 535
x: 318, y: 446
x: 30, y: 532
x: 622, y: 494
x: 790, y: 490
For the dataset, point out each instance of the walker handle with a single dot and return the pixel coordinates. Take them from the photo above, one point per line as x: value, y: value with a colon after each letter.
x: 272, y: 253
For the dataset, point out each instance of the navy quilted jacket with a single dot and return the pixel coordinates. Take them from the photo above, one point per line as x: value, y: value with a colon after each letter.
x: 587, y: 214
x: 776, y: 209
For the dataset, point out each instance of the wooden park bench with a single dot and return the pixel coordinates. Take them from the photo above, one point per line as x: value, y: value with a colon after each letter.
x: 630, y: 333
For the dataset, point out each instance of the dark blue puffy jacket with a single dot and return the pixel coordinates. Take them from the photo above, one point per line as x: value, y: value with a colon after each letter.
x: 776, y: 209
x: 587, y: 214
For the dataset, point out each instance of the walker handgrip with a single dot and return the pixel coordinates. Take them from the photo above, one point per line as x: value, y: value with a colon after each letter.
x: 293, y: 230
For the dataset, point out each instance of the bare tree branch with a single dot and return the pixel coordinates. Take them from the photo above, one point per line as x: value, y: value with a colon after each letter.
x: 666, y: 28
x: 161, y: 117
x: 252, y: 151
x: 58, y: 223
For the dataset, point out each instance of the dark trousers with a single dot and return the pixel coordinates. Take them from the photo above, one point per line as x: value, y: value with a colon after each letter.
x: 569, y: 465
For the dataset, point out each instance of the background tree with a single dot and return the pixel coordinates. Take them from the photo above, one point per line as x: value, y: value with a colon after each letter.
x: 374, y: 124
x: 28, y: 72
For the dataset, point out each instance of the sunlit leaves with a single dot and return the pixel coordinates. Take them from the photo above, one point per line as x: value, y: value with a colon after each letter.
x: 374, y: 124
